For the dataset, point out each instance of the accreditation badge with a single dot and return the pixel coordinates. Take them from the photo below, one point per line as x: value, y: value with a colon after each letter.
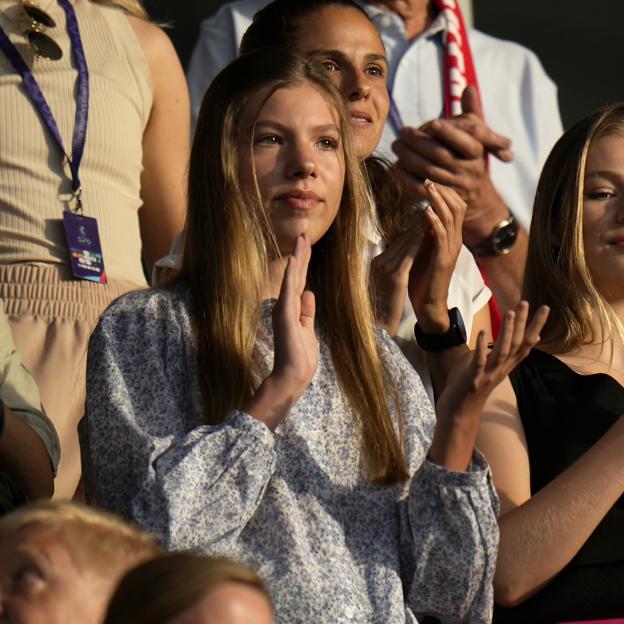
x: 85, y: 250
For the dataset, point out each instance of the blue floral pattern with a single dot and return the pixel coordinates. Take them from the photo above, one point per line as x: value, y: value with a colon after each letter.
x: 294, y: 504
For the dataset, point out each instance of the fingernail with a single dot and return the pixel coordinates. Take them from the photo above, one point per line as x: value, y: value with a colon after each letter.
x: 436, y: 125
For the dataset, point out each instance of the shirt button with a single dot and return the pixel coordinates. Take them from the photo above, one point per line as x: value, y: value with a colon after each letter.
x: 385, y: 21
x: 349, y: 613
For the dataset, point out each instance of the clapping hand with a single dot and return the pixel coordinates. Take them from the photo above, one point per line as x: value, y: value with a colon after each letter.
x: 459, y: 406
x: 453, y: 152
x: 295, y: 342
x: 296, y: 345
x: 420, y: 263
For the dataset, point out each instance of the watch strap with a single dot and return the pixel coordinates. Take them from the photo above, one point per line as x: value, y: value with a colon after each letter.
x: 500, y: 241
x: 453, y: 337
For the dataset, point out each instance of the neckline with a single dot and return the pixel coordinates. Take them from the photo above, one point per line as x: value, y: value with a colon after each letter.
x: 550, y: 357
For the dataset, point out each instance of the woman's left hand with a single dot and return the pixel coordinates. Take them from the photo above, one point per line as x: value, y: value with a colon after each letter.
x: 434, y: 264
x: 459, y: 406
x: 419, y: 264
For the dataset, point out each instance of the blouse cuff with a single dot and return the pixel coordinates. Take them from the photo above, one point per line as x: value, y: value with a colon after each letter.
x: 478, y: 473
x: 247, y: 424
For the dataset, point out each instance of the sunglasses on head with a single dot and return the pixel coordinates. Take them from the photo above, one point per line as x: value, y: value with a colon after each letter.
x: 41, y: 44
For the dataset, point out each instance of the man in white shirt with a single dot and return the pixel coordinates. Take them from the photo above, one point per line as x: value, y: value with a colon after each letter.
x: 519, y: 101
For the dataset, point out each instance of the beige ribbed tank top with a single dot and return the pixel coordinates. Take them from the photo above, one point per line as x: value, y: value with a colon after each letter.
x: 34, y: 182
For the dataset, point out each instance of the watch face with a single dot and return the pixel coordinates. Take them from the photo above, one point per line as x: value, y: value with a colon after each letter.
x: 504, y: 239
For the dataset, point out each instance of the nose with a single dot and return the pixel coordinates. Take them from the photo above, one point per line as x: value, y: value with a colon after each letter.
x: 301, y: 163
x: 619, y: 215
x: 356, y: 86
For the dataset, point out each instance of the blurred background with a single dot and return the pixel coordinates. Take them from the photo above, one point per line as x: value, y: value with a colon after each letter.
x: 579, y: 43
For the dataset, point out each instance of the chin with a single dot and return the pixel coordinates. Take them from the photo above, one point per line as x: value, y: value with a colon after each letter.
x: 365, y: 144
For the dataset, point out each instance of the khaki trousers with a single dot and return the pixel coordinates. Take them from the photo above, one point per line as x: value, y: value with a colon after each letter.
x: 52, y: 316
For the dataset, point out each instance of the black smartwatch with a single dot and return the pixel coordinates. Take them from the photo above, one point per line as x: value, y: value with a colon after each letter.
x: 453, y: 337
x: 500, y: 241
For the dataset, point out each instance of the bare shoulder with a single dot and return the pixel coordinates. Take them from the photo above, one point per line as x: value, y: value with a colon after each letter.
x: 170, y: 88
x: 156, y: 45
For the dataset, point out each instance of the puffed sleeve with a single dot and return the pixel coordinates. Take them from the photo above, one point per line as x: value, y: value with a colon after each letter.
x: 449, y: 536
x: 448, y: 531
x: 146, y: 451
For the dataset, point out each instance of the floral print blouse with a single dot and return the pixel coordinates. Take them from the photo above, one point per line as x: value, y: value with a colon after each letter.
x: 294, y: 504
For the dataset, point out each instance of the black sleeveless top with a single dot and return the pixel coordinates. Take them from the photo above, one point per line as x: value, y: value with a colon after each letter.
x: 564, y: 414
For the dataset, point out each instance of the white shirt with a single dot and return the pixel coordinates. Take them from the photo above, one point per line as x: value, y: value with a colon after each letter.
x: 519, y: 100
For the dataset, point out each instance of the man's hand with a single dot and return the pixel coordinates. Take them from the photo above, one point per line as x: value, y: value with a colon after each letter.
x: 453, y: 152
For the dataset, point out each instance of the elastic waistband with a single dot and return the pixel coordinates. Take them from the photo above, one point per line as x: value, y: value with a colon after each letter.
x: 53, y: 292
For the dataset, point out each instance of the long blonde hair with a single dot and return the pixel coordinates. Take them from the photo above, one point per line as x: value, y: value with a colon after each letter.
x: 556, y: 272
x: 228, y: 244
x: 131, y: 7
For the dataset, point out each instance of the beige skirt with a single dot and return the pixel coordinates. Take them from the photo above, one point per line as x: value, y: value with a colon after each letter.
x: 52, y: 316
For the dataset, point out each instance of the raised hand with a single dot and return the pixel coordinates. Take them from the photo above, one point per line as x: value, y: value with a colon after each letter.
x: 420, y: 263
x: 390, y: 274
x: 459, y: 406
x: 433, y: 267
x: 296, y: 346
x: 295, y: 343
x: 453, y: 152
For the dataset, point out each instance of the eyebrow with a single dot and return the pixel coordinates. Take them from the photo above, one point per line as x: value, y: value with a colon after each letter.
x: 611, y: 175
x: 337, y: 53
x: 282, y: 128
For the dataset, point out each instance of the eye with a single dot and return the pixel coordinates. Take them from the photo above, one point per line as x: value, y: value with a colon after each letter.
x: 375, y: 70
x: 601, y: 195
x: 28, y: 579
x: 327, y: 143
x: 329, y: 65
x: 268, y: 139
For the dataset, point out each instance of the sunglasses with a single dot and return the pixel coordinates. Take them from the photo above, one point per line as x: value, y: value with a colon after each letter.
x: 41, y: 44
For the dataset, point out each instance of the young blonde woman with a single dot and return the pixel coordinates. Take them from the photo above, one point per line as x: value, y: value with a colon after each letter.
x: 414, y: 275
x: 553, y: 432
x: 116, y: 93
x: 251, y: 409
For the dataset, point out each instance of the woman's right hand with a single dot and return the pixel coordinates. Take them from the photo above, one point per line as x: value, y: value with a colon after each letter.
x: 295, y: 343
x: 296, y: 346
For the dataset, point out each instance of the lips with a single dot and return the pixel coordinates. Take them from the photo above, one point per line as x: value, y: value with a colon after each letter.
x: 360, y: 117
x: 615, y: 238
x: 300, y: 199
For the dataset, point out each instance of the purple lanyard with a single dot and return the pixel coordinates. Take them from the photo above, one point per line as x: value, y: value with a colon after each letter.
x: 40, y: 103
